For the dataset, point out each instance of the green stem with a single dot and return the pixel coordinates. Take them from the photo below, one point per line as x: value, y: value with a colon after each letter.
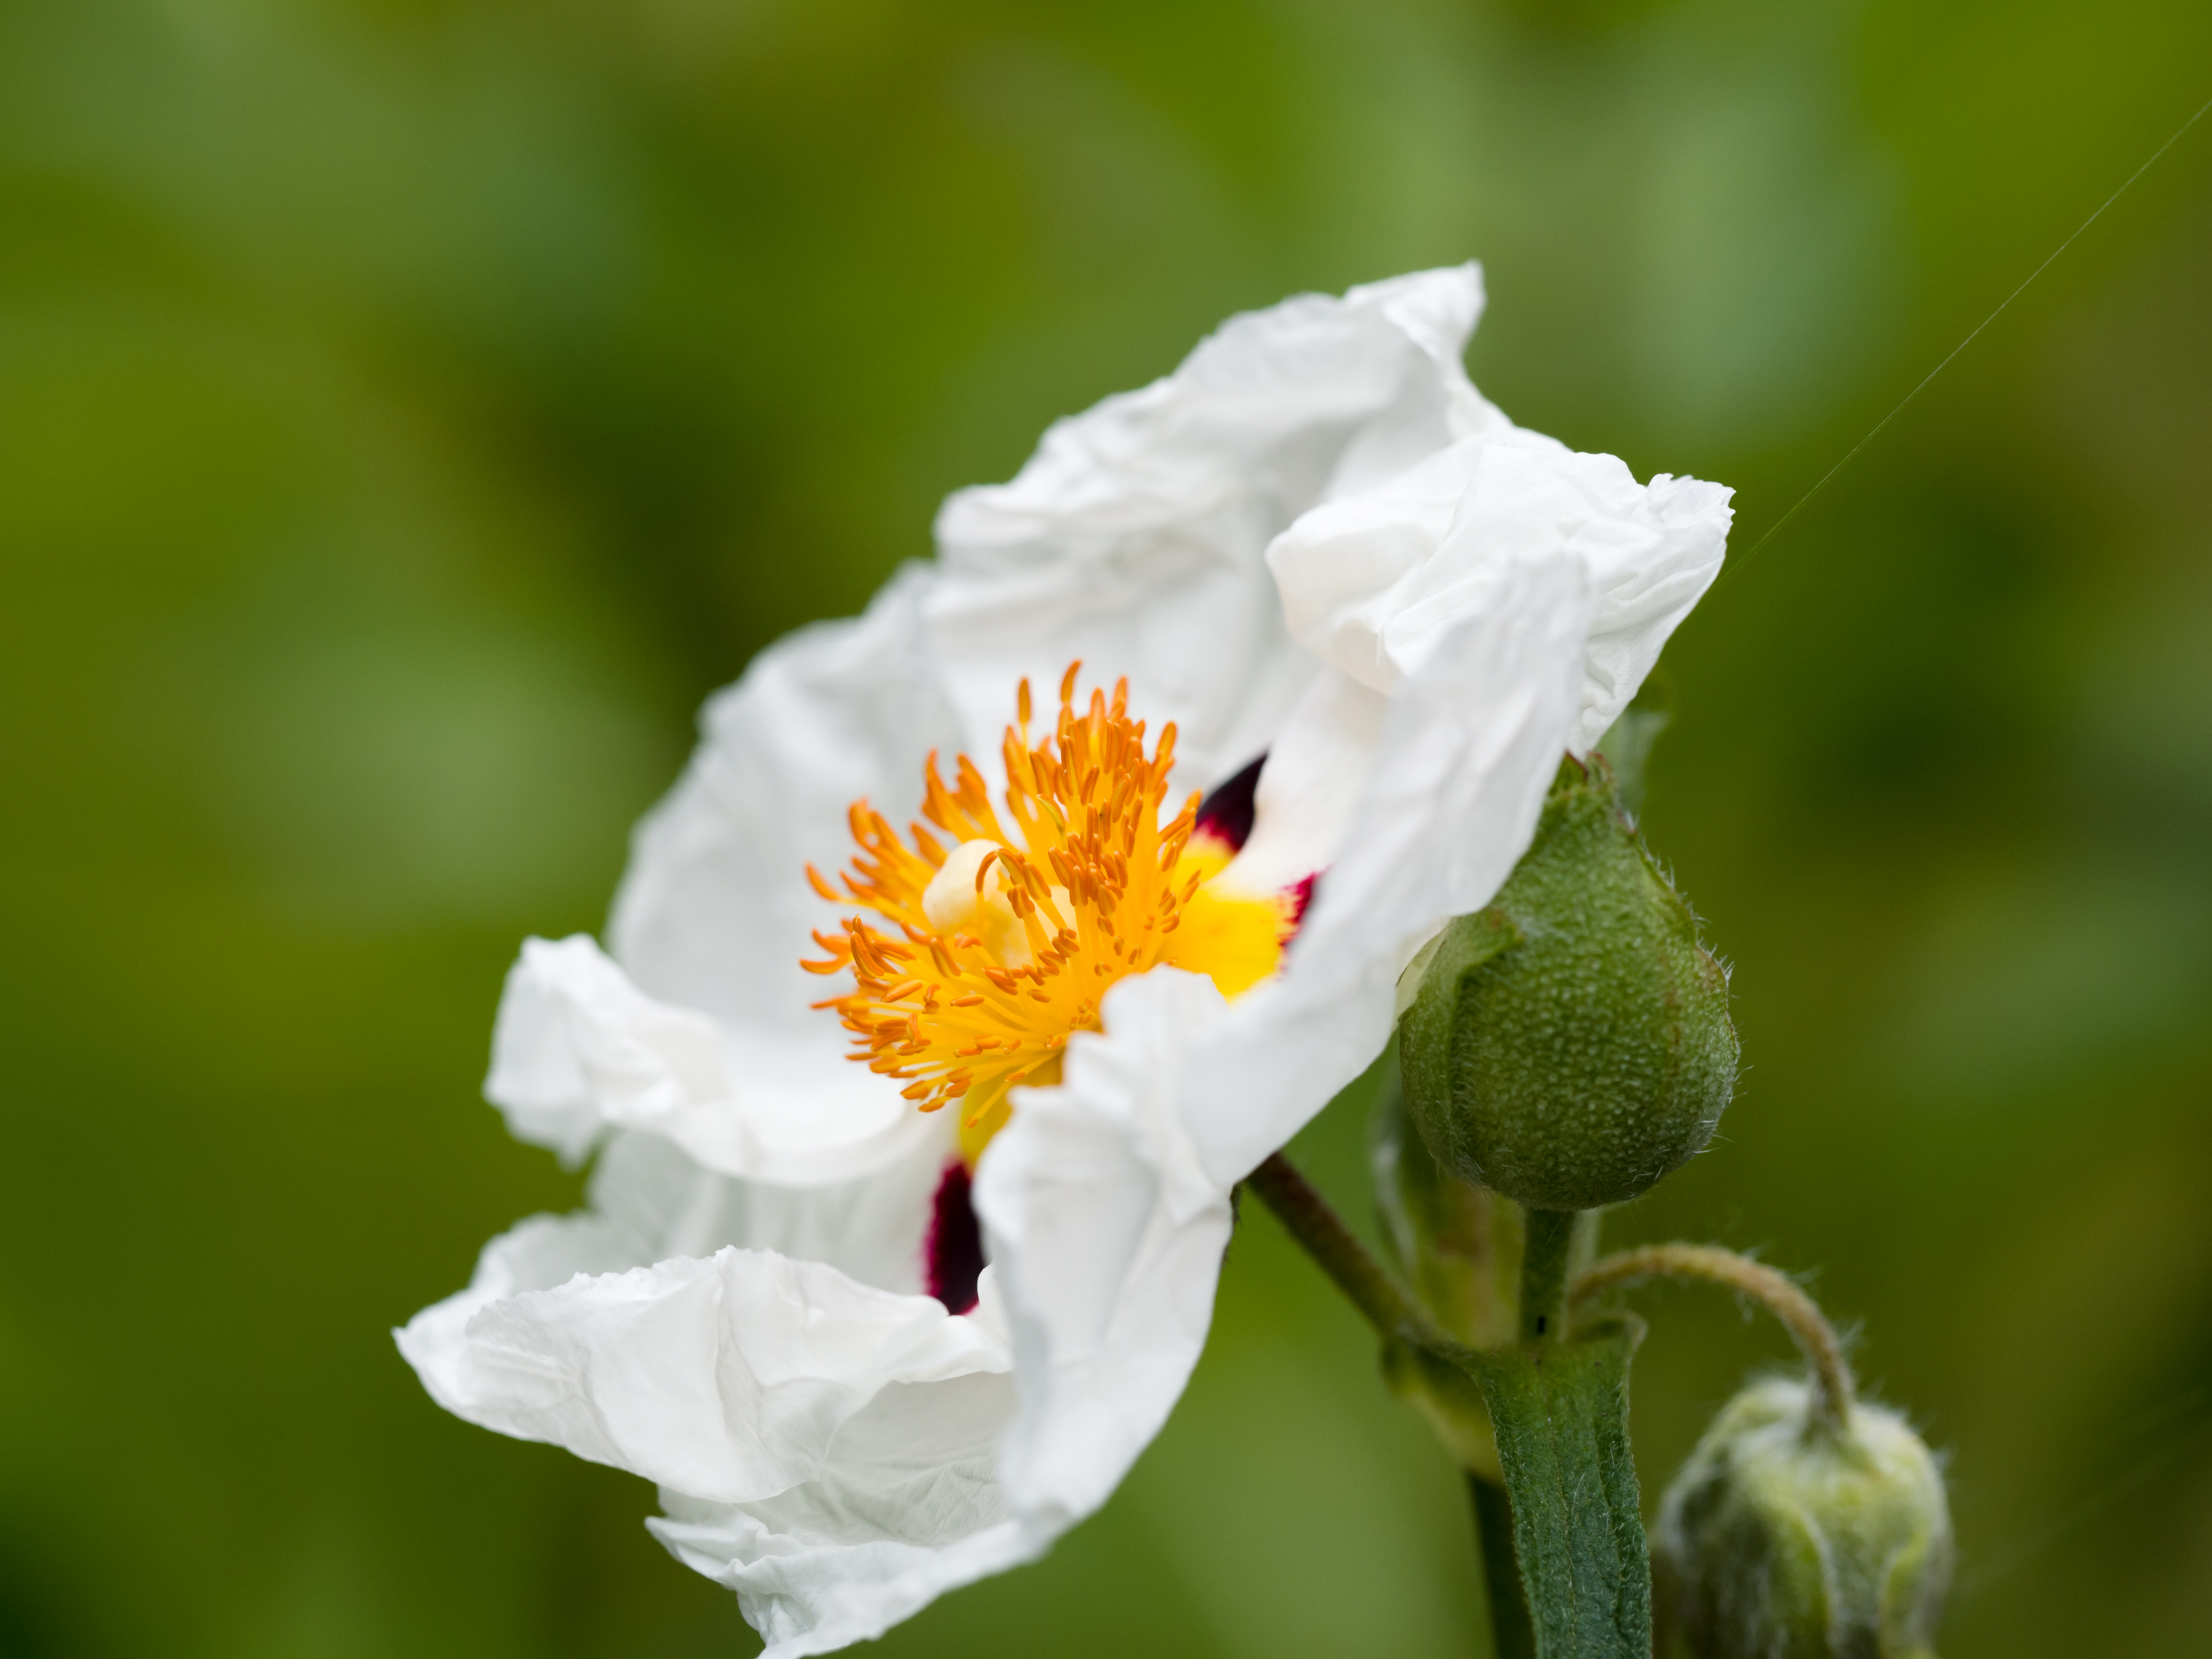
x: 1407, y: 1330
x: 1550, y: 1243
x: 1799, y: 1314
x: 1512, y: 1635
x: 1560, y: 1413
x: 1306, y: 1214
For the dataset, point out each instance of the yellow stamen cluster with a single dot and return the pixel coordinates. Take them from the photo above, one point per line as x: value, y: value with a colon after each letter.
x: 1004, y: 944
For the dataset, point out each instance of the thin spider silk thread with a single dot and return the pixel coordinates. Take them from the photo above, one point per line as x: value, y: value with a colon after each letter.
x: 2006, y: 1556
x: 1775, y: 528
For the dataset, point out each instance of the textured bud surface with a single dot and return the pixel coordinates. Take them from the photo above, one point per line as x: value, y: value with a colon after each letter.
x: 1782, y: 1540
x: 1570, y: 1045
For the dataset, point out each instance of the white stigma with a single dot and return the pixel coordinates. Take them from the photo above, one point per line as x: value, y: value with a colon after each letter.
x: 954, y: 902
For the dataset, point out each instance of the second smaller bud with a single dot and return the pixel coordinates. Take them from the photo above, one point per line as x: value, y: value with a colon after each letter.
x: 1785, y: 1538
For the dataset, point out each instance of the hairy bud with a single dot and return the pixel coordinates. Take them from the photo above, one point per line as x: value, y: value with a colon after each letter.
x: 1784, y: 1538
x: 1569, y: 1045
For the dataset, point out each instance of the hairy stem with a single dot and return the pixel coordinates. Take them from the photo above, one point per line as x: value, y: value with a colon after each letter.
x: 1550, y: 1243
x: 1310, y: 1221
x: 1799, y: 1314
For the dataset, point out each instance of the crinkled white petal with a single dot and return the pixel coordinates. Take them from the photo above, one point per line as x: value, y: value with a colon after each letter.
x: 737, y: 1381
x: 1107, y: 1233
x: 714, y: 910
x: 836, y: 1454
x: 823, y: 1447
x: 917, y: 1511
x: 1373, y: 583
x: 578, y: 1049
x: 729, y: 1377
x: 1107, y: 1237
x: 649, y: 1201
x: 1134, y: 538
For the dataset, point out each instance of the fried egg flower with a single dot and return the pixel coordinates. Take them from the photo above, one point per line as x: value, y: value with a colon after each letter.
x: 928, y: 1047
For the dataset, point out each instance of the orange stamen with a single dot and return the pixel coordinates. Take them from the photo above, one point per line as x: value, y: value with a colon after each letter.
x: 1090, y: 877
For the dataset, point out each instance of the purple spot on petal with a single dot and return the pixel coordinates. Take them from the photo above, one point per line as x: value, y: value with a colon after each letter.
x: 1301, y: 897
x: 955, y: 1245
x: 1226, y: 812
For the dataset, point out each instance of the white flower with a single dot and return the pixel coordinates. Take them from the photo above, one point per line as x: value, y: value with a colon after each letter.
x: 1315, y: 542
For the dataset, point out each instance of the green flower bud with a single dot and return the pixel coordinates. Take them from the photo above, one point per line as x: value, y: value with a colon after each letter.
x: 1784, y: 1538
x: 1571, y: 1044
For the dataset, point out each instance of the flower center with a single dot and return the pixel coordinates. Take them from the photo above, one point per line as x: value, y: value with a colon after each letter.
x: 998, y: 944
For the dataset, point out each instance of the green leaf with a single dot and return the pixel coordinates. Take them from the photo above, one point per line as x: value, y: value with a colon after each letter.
x: 1560, y: 1413
x: 1626, y: 745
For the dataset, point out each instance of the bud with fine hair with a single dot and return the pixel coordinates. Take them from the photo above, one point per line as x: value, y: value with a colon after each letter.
x: 1785, y: 1537
x: 1571, y: 1044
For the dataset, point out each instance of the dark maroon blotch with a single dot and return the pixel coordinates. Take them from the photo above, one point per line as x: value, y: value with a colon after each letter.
x: 1226, y: 812
x: 955, y: 1245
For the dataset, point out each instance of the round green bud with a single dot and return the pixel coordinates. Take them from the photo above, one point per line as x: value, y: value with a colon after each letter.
x: 1784, y: 1538
x: 1571, y: 1044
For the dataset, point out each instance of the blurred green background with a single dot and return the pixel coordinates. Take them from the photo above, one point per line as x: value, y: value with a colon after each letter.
x: 409, y: 411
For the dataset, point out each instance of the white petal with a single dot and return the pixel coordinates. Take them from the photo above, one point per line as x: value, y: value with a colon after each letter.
x: 1338, y: 567
x: 579, y: 1048
x: 1133, y: 539
x: 1106, y: 1236
x: 1373, y: 583
x: 714, y: 911
x: 1468, y: 751
x: 728, y: 1378
x: 1641, y: 603
x: 824, y: 1448
x: 1465, y: 753
x: 1311, y: 784
x: 650, y: 1201
x: 532, y: 1255
x: 872, y: 1229
x: 876, y: 1537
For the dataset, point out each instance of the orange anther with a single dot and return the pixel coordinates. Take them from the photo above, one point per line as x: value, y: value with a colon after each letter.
x: 1088, y: 856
